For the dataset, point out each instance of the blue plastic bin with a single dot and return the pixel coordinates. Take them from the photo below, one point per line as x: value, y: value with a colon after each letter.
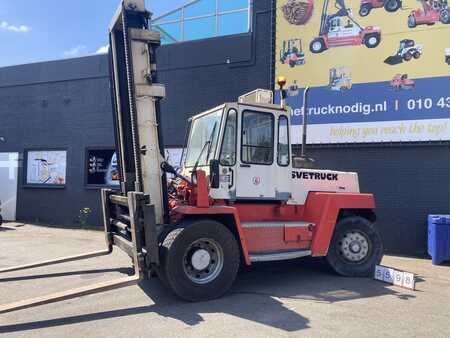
x: 439, y: 238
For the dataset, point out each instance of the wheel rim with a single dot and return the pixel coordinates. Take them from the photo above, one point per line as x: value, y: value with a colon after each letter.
x: 372, y: 40
x: 364, y: 11
x: 316, y: 46
x: 203, y: 261
x: 354, y: 246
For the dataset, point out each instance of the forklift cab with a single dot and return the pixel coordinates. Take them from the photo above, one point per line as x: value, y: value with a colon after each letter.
x: 245, y: 148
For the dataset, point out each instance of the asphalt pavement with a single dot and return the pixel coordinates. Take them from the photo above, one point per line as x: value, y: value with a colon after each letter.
x: 291, y: 298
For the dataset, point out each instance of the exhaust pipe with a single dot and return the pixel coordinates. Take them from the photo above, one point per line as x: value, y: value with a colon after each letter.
x: 305, y: 120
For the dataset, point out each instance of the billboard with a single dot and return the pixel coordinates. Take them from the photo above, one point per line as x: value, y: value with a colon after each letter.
x: 379, y: 70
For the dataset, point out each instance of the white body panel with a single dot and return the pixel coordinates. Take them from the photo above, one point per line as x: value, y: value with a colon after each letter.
x: 8, y: 184
x: 304, y: 181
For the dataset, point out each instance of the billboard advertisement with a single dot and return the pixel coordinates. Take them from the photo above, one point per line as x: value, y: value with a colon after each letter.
x: 379, y: 70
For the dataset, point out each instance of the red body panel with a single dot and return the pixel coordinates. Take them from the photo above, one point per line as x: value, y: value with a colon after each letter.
x: 354, y: 40
x: 425, y: 17
x: 373, y: 3
x: 321, y: 208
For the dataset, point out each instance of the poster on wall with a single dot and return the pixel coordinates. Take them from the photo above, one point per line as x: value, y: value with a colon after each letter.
x: 102, y: 167
x: 379, y: 70
x: 46, y: 167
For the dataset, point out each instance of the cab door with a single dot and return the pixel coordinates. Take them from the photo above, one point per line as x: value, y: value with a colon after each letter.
x: 256, y: 169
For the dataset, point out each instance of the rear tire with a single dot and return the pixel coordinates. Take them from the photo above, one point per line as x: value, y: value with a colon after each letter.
x: 356, y: 247
x: 200, y: 262
x: 416, y: 55
x: 1, y: 220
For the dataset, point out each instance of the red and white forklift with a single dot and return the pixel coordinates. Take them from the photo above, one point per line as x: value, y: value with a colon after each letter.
x: 241, y: 196
x: 432, y: 11
x: 341, y: 29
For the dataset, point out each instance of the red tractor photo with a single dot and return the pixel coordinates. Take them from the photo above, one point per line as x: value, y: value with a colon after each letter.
x: 432, y: 11
x: 335, y: 32
x: 389, y: 5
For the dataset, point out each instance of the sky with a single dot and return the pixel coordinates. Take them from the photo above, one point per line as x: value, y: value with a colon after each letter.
x: 41, y: 30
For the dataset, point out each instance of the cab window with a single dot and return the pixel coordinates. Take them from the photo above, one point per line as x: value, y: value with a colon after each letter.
x: 283, y: 157
x: 228, y: 152
x: 257, y: 138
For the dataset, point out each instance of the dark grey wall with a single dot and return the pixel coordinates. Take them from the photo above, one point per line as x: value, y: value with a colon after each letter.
x: 63, y: 104
x: 408, y: 181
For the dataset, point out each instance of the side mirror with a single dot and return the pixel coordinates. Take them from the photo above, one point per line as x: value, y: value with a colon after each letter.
x: 214, y: 174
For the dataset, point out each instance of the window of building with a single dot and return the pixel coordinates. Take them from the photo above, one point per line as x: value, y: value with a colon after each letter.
x: 228, y: 153
x: 283, y: 142
x: 257, y: 138
x: 202, y: 19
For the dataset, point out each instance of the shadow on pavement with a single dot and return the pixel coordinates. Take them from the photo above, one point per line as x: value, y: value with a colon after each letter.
x: 258, y: 296
x: 5, y: 228
x: 70, y: 273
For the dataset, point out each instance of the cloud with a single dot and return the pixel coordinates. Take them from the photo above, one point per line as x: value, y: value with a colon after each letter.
x: 18, y: 29
x: 74, y: 51
x: 102, y: 50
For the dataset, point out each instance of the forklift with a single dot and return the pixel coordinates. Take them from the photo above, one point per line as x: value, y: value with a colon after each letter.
x: 240, y: 198
x: 335, y: 32
x: 292, y: 53
x: 340, y: 79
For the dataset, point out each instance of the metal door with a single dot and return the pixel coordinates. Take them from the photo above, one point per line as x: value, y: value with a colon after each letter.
x: 8, y: 185
x: 256, y: 169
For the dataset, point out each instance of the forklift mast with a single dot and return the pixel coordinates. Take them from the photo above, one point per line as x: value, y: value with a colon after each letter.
x: 136, y: 97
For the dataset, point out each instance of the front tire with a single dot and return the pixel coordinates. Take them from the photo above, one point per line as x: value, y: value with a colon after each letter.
x: 392, y: 5
x: 365, y: 10
x: 445, y: 16
x: 412, y: 22
x: 372, y: 40
x: 356, y: 247
x: 200, y: 262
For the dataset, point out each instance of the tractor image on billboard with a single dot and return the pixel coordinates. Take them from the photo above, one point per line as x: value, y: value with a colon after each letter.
x: 335, y: 31
x: 389, y: 5
x: 432, y: 11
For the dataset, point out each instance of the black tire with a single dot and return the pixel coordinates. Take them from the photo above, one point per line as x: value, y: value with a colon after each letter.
x: 365, y: 10
x: 372, y: 40
x: 176, y: 266
x: 292, y: 63
x: 412, y: 22
x: 407, y: 57
x: 392, y: 5
x: 1, y: 220
x: 317, y: 46
x: 416, y: 54
x: 337, y: 256
x: 445, y: 16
